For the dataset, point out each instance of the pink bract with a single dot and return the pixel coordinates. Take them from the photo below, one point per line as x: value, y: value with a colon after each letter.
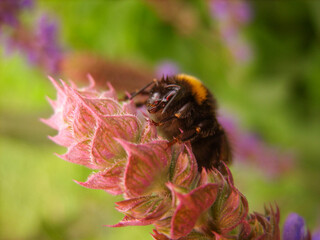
x: 160, y: 185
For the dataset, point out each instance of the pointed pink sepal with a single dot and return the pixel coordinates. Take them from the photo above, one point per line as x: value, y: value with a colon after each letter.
x: 147, y: 167
x: 185, y: 169
x: 142, y: 210
x: 108, y: 180
x: 190, y: 206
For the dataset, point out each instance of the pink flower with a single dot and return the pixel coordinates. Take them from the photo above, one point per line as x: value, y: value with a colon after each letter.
x: 160, y: 185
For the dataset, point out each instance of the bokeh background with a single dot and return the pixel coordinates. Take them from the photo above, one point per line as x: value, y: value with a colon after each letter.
x: 261, y: 59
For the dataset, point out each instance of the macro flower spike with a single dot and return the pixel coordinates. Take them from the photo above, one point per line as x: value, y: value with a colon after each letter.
x: 160, y: 184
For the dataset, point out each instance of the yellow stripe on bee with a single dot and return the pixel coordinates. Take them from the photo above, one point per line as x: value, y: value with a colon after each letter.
x: 199, y: 91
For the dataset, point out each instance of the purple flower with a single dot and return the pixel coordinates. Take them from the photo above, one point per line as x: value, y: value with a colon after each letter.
x: 237, y: 10
x: 167, y: 68
x: 231, y: 16
x: 219, y: 9
x: 40, y: 45
x: 316, y: 235
x: 294, y: 228
x: 10, y: 10
x: 242, y: 11
x: 47, y: 50
x: 250, y: 149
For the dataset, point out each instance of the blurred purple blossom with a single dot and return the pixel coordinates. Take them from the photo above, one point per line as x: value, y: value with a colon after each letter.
x: 166, y: 68
x: 219, y: 9
x: 249, y: 148
x: 316, y: 235
x: 231, y: 17
x: 242, y: 11
x: 294, y: 228
x: 40, y: 44
x: 10, y: 10
x: 47, y: 50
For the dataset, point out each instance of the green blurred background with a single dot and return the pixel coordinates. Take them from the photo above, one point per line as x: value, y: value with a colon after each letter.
x: 274, y: 92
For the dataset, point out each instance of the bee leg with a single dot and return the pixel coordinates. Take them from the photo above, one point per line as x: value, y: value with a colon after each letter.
x: 172, y: 142
x: 183, y: 137
x: 212, y: 146
x: 188, y: 135
x: 163, y: 121
x: 203, y: 129
x: 184, y: 111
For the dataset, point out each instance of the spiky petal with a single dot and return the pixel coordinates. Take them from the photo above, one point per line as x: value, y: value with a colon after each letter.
x: 88, y: 123
x: 147, y: 167
x: 161, y: 185
x: 190, y: 206
x: 259, y: 226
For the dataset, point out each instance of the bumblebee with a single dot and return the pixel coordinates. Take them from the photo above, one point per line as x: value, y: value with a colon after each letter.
x: 185, y: 110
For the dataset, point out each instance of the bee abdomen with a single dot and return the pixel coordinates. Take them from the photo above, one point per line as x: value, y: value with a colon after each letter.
x: 211, y: 151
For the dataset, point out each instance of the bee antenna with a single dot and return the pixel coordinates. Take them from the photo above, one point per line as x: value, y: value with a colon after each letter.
x: 155, y: 81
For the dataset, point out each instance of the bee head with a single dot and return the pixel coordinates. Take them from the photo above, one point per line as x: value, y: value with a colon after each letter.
x: 161, y: 96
